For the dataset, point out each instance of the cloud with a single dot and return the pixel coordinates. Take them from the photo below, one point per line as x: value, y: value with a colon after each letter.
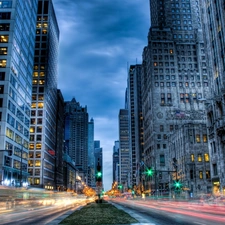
x: 98, y: 41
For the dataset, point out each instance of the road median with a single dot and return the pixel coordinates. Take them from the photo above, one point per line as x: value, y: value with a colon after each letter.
x: 98, y: 213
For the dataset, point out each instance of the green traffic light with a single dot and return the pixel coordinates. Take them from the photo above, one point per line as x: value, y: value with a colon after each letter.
x: 177, y: 184
x: 99, y: 174
x: 149, y: 172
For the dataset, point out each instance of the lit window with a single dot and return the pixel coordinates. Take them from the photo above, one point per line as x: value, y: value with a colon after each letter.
x: 192, y: 157
x: 204, y: 138
x: 200, y: 175
x: 38, y: 146
x: 32, y: 129
x: 40, y: 105
x: 35, y: 74
x: 199, y: 157
x: 33, y: 105
x: 4, y: 38
x: 31, y: 146
x: 37, y: 163
x: 206, y: 157
x: 197, y: 138
x: 3, y: 63
x: 171, y: 51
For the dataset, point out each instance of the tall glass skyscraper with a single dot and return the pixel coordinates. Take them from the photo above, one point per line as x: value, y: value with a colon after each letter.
x: 44, y: 98
x: 17, y: 39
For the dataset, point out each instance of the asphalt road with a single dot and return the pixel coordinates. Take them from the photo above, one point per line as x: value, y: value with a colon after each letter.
x: 172, y: 213
x: 35, y: 216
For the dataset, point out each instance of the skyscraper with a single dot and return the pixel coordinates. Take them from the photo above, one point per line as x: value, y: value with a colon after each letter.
x: 17, y: 39
x: 174, y: 77
x: 124, y: 154
x: 135, y: 122
x: 44, y: 98
x: 91, y: 158
x: 116, y: 165
x: 215, y: 103
x: 76, y: 135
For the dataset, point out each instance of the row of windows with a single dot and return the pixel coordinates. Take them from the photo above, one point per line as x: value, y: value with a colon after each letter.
x: 34, y: 146
x: 12, y: 135
x: 199, y: 156
x: 181, y: 84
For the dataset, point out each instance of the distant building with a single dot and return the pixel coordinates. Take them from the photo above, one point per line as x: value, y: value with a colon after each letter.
x: 76, y: 136
x: 124, y: 154
x: 91, y: 158
x: 98, y: 157
x: 115, y: 156
x: 135, y: 122
x: 17, y: 41
x: 42, y: 147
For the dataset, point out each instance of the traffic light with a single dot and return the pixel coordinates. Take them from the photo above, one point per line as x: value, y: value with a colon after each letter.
x: 177, y: 185
x: 120, y: 186
x: 99, y: 173
x: 175, y: 163
x: 149, y: 172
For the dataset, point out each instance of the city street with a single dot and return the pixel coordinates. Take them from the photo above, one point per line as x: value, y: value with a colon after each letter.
x: 159, y: 212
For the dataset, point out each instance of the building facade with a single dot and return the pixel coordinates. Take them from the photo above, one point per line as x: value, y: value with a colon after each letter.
x: 91, y: 158
x: 190, y: 161
x: 115, y: 160
x: 215, y: 103
x: 174, y: 77
x: 17, y: 40
x: 135, y: 122
x: 76, y: 136
x: 59, y: 142
x: 124, y: 153
x: 42, y: 147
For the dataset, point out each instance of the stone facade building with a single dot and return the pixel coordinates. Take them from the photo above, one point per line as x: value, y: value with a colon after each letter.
x: 174, y: 77
x: 189, y: 159
x: 214, y: 19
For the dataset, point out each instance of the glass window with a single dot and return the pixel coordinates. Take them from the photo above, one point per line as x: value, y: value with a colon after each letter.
x: 4, y: 38
x: 199, y: 157
x: 192, y: 157
x: 200, y: 175
x: 198, y: 138
x: 3, y: 63
x: 206, y: 157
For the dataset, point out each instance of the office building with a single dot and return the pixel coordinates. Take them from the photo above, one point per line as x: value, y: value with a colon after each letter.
x: 174, y: 77
x: 124, y: 154
x: 43, y: 127
x: 215, y: 102
x: 17, y: 40
x: 98, y: 157
x: 91, y: 158
x: 135, y: 122
x: 76, y: 136
x: 115, y: 160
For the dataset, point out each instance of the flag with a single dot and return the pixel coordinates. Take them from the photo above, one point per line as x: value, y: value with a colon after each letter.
x: 180, y: 114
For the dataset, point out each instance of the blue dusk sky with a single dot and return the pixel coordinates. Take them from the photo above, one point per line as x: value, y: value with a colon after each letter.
x: 99, y: 40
